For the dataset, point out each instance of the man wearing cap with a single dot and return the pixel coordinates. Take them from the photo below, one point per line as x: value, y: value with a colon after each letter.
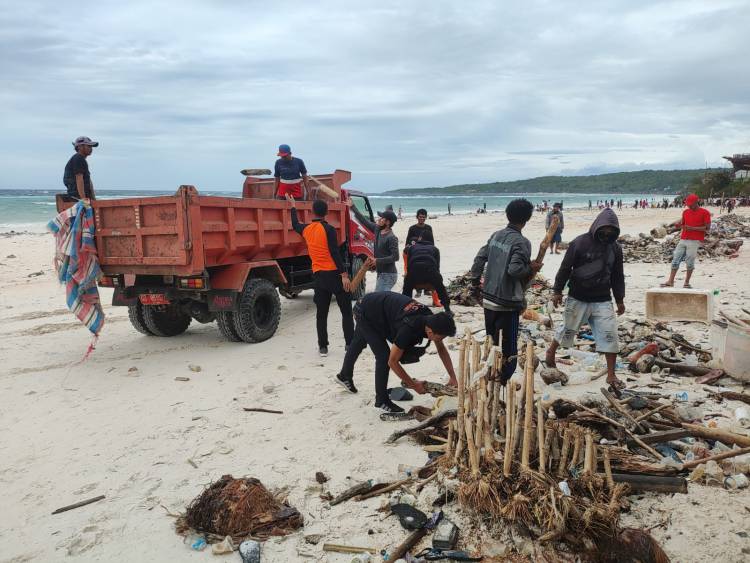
x: 290, y: 174
x: 386, y: 248
x: 76, y: 177
x: 694, y: 224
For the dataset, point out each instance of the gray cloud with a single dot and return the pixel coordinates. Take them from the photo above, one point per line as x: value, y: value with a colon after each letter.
x: 403, y: 94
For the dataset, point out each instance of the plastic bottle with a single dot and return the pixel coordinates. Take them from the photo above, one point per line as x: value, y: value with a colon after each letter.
x: 681, y: 396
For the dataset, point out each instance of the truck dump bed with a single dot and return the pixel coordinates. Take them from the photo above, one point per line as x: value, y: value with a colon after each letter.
x: 186, y: 233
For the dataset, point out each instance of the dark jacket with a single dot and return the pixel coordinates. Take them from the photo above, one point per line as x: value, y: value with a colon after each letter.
x: 423, y: 255
x: 419, y: 233
x: 586, y: 249
x: 507, y: 256
x: 386, y: 246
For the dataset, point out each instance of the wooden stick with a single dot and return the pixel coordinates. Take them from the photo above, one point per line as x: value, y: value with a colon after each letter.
x: 351, y: 492
x: 544, y: 245
x: 655, y: 483
x: 79, y: 504
x: 564, y: 453
x: 540, y: 433
x: 359, y: 276
x: 528, y: 435
x: 637, y: 440
x: 510, y: 407
x: 382, y: 490
x: 488, y: 449
x: 717, y: 457
x: 348, y: 548
x: 588, y: 452
x: 608, y: 470
x: 427, y: 480
x: 432, y: 421
x: 406, y: 546
x: 473, y: 459
x: 251, y: 409
x: 449, y: 453
x: 481, y: 401
x: 652, y: 412
x: 577, y: 443
x: 619, y: 408
x: 461, y: 391
x: 717, y: 434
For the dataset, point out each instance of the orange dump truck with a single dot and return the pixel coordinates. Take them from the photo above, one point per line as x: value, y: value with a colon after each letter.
x: 172, y: 259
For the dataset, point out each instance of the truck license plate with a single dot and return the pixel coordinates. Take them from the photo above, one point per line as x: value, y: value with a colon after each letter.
x: 153, y: 299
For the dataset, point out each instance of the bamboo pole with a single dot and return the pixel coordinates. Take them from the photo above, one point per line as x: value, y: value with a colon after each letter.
x: 588, y: 452
x: 449, y: 452
x: 481, y: 401
x: 461, y: 391
x: 476, y: 356
x: 578, y: 440
x: 509, y: 416
x: 528, y: 435
x: 489, y: 451
x: 546, y: 458
x: 540, y: 434
x: 608, y: 470
x: 564, y: 453
x: 473, y: 460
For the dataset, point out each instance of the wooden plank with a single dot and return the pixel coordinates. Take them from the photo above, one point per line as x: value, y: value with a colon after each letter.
x: 653, y: 483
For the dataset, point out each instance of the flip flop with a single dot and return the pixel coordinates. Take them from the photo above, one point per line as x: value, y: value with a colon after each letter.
x: 616, y: 387
x: 687, y: 286
x: 666, y: 284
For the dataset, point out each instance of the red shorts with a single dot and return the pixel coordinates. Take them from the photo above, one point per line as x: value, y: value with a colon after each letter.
x: 294, y: 190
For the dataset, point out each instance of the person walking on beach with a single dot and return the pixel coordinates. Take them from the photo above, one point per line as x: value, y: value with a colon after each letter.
x: 423, y: 267
x: 76, y: 176
x: 290, y: 174
x: 386, y: 248
x: 329, y: 273
x: 508, y: 269
x: 557, y: 237
x: 593, y: 270
x: 694, y: 224
x: 391, y: 317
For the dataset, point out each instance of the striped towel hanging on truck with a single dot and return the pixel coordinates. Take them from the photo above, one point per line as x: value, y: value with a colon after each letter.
x: 77, y: 265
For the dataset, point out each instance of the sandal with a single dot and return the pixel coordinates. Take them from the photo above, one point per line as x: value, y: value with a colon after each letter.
x: 666, y: 284
x: 687, y: 286
x: 616, y: 387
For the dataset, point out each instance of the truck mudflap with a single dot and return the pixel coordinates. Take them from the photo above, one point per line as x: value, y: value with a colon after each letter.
x: 222, y: 300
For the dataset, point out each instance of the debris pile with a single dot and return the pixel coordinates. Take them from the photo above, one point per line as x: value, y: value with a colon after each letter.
x: 723, y: 240
x: 462, y: 291
x: 238, y: 508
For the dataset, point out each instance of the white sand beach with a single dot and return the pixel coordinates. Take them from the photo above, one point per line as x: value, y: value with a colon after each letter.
x: 120, y: 424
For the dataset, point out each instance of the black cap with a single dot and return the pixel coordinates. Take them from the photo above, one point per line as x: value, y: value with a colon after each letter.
x: 390, y: 215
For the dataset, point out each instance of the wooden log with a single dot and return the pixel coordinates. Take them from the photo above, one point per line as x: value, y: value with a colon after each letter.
x: 377, y: 491
x: 351, y: 492
x: 461, y: 391
x: 665, y: 436
x: 528, y: 435
x: 544, y: 245
x: 432, y: 421
x: 608, y: 470
x: 337, y: 548
x: 359, y: 276
x: 471, y: 446
x: 540, y: 435
x: 564, y: 452
x: 653, y: 483
x: 577, y: 443
x: 79, y: 504
x: 717, y: 457
x: 408, y: 544
x: 652, y: 412
x: 589, y: 452
x: 509, y: 417
x: 724, y: 436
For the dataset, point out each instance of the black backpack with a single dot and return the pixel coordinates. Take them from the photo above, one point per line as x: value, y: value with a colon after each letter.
x: 596, y: 273
x: 414, y: 354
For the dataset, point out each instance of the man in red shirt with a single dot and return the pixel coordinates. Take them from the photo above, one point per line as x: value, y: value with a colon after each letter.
x: 695, y: 223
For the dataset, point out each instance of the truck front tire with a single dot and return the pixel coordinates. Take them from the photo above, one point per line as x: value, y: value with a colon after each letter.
x: 166, y: 320
x: 258, y: 312
x: 135, y: 313
x: 358, y: 292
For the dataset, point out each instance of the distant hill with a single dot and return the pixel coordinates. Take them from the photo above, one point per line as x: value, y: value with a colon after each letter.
x: 641, y: 182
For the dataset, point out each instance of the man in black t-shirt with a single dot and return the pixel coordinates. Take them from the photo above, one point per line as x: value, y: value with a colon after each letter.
x: 384, y: 317
x: 76, y: 177
x: 421, y: 231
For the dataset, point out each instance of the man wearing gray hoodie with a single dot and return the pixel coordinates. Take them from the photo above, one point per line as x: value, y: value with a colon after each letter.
x: 592, y: 268
x: 507, y: 266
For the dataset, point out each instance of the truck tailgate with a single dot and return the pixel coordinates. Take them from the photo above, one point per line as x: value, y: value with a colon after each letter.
x: 144, y: 235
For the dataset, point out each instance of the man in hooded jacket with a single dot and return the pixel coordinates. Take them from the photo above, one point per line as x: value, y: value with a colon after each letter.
x: 593, y: 270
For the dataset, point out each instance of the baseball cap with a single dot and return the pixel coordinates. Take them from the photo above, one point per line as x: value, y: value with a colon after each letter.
x: 284, y: 150
x: 85, y: 141
x: 691, y: 199
x: 390, y: 215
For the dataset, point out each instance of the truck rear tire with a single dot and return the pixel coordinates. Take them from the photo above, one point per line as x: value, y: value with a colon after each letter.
x: 259, y: 310
x: 166, y: 320
x: 225, y: 322
x: 358, y: 292
x: 135, y: 313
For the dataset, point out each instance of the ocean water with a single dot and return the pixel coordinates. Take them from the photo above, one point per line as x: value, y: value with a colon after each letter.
x: 30, y: 210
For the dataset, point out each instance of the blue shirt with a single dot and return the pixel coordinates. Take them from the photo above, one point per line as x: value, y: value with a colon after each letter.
x: 289, y: 169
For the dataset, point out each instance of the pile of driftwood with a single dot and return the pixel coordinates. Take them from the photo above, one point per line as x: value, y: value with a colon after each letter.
x: 724, y: 240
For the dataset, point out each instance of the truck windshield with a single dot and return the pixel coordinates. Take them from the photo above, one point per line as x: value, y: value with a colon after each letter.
x: 363, y: 205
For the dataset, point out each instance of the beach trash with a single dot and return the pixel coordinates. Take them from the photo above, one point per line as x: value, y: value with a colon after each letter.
x: 738, y: 481
x: 742, y: 416
x: 196, y: 542
x: 737, y: 353
x: 250, y: 551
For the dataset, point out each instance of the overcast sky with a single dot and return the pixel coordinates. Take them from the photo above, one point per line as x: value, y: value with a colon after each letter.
x: 403, y: 94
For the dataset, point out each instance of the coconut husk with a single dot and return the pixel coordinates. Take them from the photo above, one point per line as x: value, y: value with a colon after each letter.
x: 239, y: 508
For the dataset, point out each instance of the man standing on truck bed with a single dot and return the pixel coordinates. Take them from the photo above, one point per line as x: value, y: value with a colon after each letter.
x: 387, y: 316
x: 290, y: 173
x: 76, y: 176
x: 329, y: 272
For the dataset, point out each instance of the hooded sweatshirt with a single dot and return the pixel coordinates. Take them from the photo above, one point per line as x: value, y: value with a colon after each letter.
x: 586, y: 249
